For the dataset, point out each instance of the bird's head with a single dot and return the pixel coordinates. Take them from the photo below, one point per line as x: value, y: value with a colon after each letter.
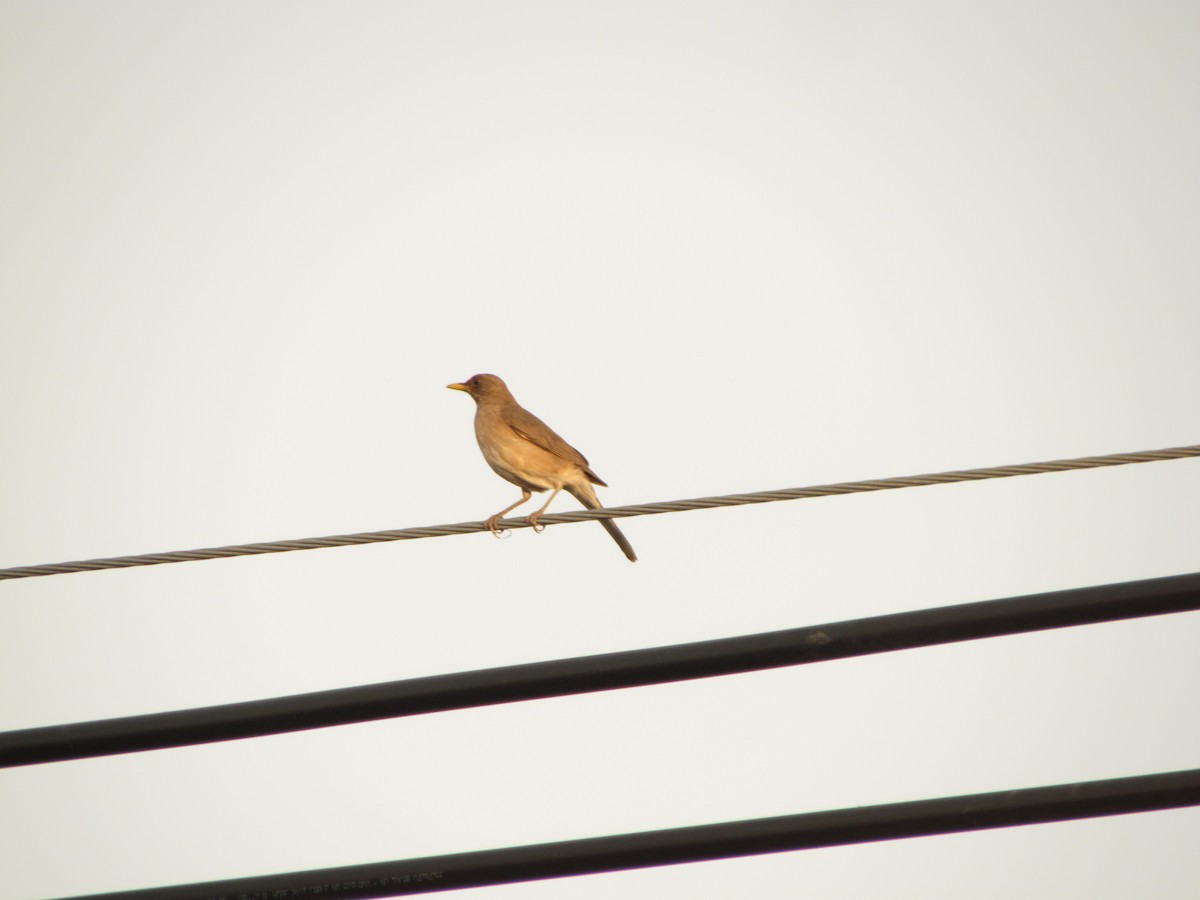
x: 482, y: 387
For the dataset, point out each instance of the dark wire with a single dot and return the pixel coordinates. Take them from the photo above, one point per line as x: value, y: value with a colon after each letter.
x: 631, y: 668
x: 863, y: 824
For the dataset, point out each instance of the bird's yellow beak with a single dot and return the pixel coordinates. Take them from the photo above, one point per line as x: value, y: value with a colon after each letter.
x: 459, y: 387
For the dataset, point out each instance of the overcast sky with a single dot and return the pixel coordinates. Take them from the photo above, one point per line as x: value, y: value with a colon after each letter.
x: 719, y: 247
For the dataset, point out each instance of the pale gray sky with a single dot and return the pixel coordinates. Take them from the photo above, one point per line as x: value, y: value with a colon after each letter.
x: 719, y: 247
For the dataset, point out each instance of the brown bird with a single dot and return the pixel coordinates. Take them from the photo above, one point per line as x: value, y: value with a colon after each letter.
x: 521, y: 448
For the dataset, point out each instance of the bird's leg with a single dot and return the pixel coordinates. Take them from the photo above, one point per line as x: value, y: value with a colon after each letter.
x: 491, y: 521
x: 533, y: 519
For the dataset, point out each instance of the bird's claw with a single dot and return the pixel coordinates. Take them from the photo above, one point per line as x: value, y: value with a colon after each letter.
x: 494, y: 528
x: 533, y: 523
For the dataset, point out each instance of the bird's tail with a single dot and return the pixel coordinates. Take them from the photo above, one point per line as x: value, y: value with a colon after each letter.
x: 589, y: 500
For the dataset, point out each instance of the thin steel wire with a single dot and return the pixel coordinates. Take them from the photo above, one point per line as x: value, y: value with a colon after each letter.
x: 612, y: 512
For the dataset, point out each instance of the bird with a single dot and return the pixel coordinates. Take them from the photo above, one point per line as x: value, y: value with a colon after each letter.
x: 525, y: 451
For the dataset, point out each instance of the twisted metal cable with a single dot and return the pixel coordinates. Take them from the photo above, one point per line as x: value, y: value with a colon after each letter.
x: 612, y: 512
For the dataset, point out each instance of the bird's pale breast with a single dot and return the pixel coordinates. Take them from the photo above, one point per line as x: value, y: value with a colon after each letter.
x: 519, y: 461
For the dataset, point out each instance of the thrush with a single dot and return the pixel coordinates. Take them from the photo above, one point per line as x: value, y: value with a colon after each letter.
x: 524, y: 450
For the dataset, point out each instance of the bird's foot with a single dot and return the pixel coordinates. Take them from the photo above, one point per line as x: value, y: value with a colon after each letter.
x: 533, y: 523
x: 493, y: 527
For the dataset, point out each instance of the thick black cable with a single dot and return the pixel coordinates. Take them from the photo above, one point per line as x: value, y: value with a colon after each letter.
x: 630, y: 668
x: 857, y: 825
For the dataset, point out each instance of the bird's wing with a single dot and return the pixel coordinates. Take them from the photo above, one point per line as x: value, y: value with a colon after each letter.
x: 534, y: 430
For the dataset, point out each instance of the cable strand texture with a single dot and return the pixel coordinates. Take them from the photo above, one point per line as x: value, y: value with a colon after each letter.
x: 612, y: 512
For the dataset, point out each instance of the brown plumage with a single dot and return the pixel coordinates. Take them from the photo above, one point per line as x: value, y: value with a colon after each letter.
x: 524, y: 450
